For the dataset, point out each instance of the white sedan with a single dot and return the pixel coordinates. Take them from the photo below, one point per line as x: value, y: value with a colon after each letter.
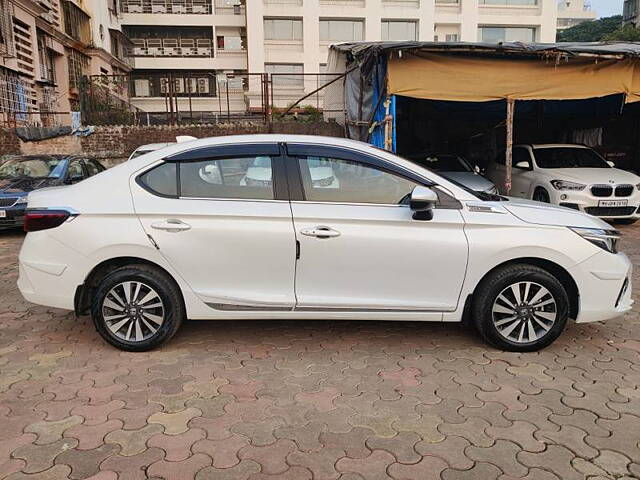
x: 157, y: 240
x: 572, y: 176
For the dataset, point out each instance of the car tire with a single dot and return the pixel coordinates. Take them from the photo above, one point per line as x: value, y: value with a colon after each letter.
x: 543, y: 308
x: 145, y: 317
x: 541, y: 195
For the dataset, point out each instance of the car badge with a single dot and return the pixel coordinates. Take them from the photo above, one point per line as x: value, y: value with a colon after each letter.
x: 612, y: 181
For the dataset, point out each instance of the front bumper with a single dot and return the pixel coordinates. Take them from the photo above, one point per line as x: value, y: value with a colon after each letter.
x: 13, y: 217
x: 604, y: 286
x: 585, y: 202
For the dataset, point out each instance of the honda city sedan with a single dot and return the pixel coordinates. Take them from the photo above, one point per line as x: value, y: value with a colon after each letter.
x: 161, y: 239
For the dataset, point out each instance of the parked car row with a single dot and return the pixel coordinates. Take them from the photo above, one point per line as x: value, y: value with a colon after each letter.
x: 303, y: 227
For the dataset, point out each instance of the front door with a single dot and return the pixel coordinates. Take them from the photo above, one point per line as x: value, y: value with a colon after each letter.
x: 225, y: 226
x: 360, y: 248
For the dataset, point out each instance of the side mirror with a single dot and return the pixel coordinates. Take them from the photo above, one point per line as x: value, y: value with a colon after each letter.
x: 523, y: 165
x: 611, y: 164
x: 423, y: 200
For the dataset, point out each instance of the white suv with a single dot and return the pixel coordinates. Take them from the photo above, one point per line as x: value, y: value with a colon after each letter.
x: 160, y: 239
x: 572, y: 176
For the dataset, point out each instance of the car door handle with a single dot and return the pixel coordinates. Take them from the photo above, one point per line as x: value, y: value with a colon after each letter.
x: 171, y: 225
x: 320, y: 232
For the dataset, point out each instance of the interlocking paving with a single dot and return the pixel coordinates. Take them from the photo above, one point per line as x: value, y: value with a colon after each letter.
x: 313, y: 400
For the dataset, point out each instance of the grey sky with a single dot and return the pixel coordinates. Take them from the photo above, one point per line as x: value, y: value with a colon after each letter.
x: 606, y: 8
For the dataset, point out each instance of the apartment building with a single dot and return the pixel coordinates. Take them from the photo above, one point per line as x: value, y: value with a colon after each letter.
x: 197, y: 52
x: 187, y: 54
x: 631, y: 12
x: 47, y: 47
x: 574, y: 12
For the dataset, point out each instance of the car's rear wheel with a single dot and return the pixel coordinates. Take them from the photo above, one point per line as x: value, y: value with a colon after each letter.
x: 137, y: 308
x: 520, y: 308
x: 541, y: 195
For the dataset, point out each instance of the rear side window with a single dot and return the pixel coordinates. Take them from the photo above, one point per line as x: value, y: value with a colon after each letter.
x: 161, y: 180
x: 234, y: 178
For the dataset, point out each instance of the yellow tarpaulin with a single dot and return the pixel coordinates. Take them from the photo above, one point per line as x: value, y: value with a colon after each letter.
x: 473, y: 79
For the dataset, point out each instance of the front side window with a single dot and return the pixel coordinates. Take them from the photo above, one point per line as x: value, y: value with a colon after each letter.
x: 283, y: 29
x: 239, y: 178
x: 567, y: 157
x: 341, y: 30
x: 343, y: 181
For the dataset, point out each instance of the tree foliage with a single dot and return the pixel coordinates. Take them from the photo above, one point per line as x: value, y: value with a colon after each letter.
x: 625, y: 33
x: 592, y: 31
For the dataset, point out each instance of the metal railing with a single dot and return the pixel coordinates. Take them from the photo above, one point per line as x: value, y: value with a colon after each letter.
x: 197, y: 97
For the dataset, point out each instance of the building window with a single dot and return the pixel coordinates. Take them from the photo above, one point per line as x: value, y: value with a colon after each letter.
x: 341, y: 30
x: 399, y: 30
x: 78, y: 66
x: 507, y: 34
x: 283, y: 29
x: 77, y: 24
x: 286, y: 75
x: 509, y: 2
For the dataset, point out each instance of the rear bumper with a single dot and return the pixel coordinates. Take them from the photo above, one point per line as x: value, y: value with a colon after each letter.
x: 604, y: 285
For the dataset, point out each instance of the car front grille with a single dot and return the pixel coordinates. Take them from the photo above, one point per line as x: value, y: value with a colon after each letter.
x: 610, y: 211
x: 624, y: 190
x: 8, y: 201
x: 601, y: 190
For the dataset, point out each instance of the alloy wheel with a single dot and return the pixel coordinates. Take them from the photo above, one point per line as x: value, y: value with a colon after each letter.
x: 524, y: 312
x: 133, y: 311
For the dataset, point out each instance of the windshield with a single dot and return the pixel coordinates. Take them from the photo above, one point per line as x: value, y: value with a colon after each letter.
x: 568, y: 157
x: 443, y: 163
x: 33, y: 167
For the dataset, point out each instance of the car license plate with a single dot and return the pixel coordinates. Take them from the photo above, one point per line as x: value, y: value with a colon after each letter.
x: 3, y: 214
x: 613, y: 203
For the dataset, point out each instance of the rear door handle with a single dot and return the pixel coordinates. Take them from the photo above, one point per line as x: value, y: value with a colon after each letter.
x: 171, y: 225
x: 320, y: 232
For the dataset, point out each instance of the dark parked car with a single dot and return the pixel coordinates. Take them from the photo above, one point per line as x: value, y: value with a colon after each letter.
x: 23, y: 174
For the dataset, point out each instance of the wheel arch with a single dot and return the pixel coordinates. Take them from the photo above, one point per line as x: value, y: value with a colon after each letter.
x: 553, y: 268
x: 82, y: 299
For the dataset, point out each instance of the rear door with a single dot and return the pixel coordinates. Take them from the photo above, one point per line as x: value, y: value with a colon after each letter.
x: 360, y: 248
x: 222, y: 218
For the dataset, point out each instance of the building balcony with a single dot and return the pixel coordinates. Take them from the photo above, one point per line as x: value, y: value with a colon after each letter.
x: 154, y: 51
x: 177, y: 7
x: 230, y: 7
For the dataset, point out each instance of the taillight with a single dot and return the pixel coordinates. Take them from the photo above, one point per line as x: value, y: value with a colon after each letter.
x: 36, y: 220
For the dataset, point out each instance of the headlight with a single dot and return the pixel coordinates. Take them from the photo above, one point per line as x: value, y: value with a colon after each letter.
x: 638, y: 186
x: 22, y: 200
x: 605, y: 239
x: 564, y: 185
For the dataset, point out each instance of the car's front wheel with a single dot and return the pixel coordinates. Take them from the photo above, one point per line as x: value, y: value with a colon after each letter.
x: 520, y: 308
x: 541, y: 195
x: 137, y: 308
